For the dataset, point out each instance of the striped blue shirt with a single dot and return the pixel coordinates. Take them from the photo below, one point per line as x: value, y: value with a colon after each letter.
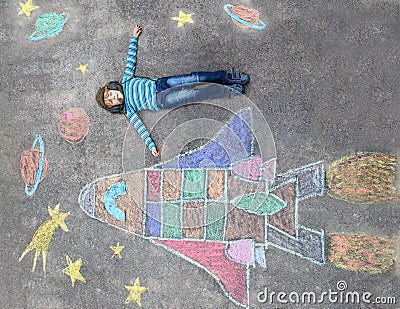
x: 139, y: 94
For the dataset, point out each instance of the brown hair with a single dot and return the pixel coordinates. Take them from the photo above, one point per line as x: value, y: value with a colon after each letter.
x: 100, y: 98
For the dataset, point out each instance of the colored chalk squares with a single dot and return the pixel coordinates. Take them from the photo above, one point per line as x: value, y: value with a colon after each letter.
x: 194, y: 204
x: 215, y: 215
x: 185, y: 204
x: 171, y: 226
x: 190, y: 220
x: 191, y: 187
x: 154, y: 185
x: 194, y: 184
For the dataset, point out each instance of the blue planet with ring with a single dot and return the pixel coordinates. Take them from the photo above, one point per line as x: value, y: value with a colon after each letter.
x: 238, y: 14
x: 48, y: 25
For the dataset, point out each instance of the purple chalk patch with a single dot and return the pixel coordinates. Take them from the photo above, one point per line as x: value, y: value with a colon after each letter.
x: 233, y: 143
x: 153, y: 216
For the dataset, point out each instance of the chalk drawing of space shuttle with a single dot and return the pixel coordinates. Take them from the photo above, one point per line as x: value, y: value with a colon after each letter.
x: 219, y: 206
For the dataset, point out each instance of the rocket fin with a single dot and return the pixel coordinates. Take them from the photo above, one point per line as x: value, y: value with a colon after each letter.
x: 310, y: 180
x: 211, y: 256
x: 233, y: 143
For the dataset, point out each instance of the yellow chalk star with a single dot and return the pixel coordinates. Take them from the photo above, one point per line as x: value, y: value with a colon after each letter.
x: 27, y: 7
x: 73, y: 270
x: 82, y: 68
x: 183, y: 19
x: 117, y: 250
x: 135, y: 292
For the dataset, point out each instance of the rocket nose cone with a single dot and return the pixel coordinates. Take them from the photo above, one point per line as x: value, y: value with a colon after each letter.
x: 87, y: 199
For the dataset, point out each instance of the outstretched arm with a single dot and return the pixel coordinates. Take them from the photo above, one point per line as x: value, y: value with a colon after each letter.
x: 132, y: 51
x: 143, y: 133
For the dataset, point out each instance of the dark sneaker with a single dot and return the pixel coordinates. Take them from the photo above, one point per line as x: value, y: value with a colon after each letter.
x: 238, y: 78
x: 237, y: 87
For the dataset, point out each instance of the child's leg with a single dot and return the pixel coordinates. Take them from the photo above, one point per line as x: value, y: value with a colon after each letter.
x: 218, y: 77
x: 181, y: 95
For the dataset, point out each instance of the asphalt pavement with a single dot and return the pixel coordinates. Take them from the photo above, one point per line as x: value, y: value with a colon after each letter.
x: 324, y: 75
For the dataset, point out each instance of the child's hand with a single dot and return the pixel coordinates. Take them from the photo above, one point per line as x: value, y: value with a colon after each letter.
x: 137, y: 31
x: 155, y: 152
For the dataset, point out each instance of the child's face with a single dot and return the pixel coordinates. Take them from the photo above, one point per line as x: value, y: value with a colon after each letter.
x: 113, y: 97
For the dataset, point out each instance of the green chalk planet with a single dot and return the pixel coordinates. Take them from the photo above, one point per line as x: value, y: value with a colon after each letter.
x: 48, y: 25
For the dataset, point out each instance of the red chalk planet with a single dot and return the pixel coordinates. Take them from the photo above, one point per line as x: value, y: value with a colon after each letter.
x: 30, y: 164
x: 73, y: 125
x: 33, y: 165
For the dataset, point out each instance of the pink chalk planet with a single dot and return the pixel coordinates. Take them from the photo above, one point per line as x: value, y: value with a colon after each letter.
x: 73, y: 125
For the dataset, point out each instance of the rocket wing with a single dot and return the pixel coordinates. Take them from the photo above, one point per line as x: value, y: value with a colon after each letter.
x: 211, y: 256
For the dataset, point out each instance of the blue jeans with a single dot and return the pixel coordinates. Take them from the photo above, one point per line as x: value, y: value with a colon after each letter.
x: 173, y: 91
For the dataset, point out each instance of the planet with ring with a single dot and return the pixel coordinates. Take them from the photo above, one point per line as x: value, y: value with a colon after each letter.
x: 244, y: 17
x: 33, y: 165
x: 48, y: 25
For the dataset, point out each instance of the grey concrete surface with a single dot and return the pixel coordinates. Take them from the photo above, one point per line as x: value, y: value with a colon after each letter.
x: 325, y: 75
